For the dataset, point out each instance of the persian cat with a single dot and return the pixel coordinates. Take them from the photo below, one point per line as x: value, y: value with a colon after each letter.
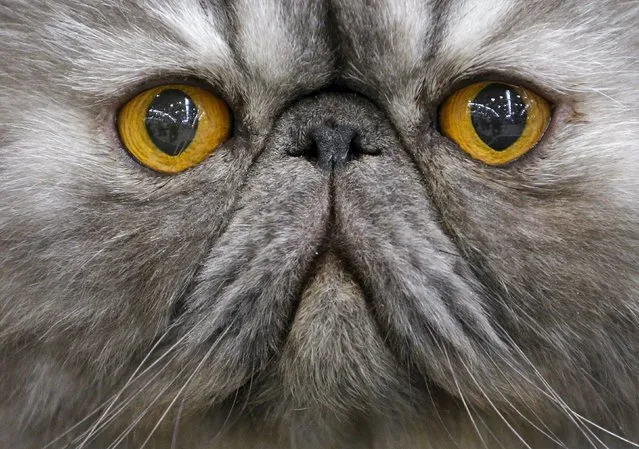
x: 299, y: 224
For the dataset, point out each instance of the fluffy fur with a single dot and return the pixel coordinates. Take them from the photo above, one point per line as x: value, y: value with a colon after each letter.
x: 412, y: 298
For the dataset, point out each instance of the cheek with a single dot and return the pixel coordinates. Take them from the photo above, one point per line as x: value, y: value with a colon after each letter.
x: 100, y: 245
x: 549, y: 253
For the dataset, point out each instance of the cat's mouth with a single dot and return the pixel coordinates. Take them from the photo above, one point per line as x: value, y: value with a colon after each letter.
x: 344, y: 288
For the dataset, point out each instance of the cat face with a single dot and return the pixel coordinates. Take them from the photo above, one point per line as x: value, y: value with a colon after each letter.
x: 338, y: 269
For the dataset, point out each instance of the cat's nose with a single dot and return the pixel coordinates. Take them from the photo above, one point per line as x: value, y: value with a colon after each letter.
x: 332, y: 145
x: 332, y: 129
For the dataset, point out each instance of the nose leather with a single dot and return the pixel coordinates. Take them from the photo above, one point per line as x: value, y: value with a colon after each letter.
x: 332, y: 129
x: 334, y: 145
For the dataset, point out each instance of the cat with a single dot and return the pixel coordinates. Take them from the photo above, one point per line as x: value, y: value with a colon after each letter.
x: 339, y: 272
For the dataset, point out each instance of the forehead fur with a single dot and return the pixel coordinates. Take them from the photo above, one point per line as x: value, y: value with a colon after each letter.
x: 287, y: 43
x: 406, y: 54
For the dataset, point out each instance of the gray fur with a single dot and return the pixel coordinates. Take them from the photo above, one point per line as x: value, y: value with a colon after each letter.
x: 411, y: 298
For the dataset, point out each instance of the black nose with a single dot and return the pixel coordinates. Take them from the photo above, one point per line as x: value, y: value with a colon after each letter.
x: 331, y: 129
x: 334, y: 145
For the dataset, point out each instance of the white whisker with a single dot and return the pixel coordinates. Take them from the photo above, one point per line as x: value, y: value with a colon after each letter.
x: 144, y: 412
x: 126, y: 384
x: 494, y: 407
x: 111, y: 399
x: 554, y: 397
x: 122, y: 407
x: 187, y: 382
x: 603, y: 429
x: 461, y: 396
x: 177, y: 424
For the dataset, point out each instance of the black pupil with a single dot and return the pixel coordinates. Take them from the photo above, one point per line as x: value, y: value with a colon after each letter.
x: 499, y: 115
x: 171, y: 121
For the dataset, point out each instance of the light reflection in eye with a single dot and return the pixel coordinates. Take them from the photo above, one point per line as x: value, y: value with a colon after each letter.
x: 494, y: 122
x: 172, y: 121
x: 172, y: 128
x: 498, y: 116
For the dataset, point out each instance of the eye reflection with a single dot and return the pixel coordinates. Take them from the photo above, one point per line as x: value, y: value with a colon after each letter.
x: 499, y: 115
x: 171, y: 121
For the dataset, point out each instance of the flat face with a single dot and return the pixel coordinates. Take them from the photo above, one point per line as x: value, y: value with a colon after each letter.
x: 337, y: 272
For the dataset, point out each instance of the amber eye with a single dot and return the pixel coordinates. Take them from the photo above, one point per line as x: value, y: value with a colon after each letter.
x: 495, y: 123
x: 173, y: 127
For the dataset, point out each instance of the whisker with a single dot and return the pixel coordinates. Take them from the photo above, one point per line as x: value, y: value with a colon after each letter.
x: 547, y: 433
x: 177, y: 423
x: 188, y: 381
x: 122, y: 407
x: 494, y: 407
x: 104, y: 403
x: 440, y: 418
x: 228, y: 415
x: 136, y: 375
x: 144, y: 412
x: 242, y: 409
x: 102, y: 423
x: 487, y: 427
x: 603, y: 429
x: 246, y: 402
x: 461, y: 396
x: 550, y: 393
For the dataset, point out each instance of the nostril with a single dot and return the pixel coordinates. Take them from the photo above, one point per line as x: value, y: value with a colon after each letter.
x: 312, y: 153
x: 356, y: 146
x: 359, y: 147
x: 333, y: 143
x: 330, y: 144
x: 303, y: 145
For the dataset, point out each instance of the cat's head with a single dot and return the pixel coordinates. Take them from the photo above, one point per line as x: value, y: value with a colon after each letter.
x: 338, y: 253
